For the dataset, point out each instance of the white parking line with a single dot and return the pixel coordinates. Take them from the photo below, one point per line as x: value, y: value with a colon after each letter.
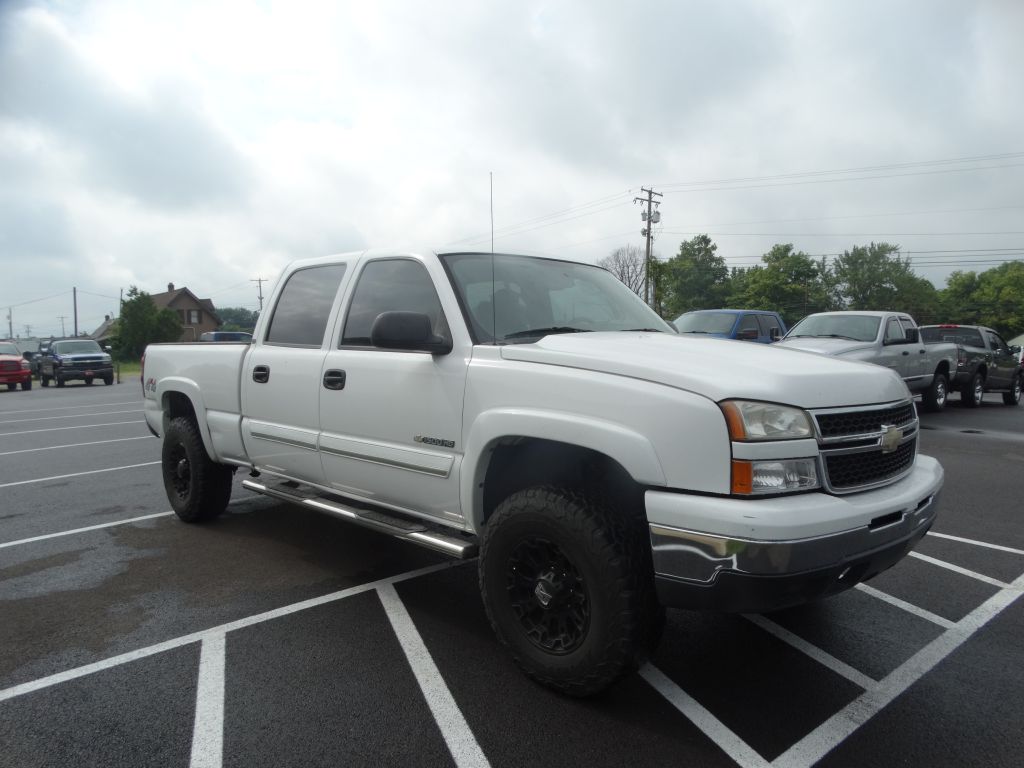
x: 70, y: 416
x: 457, y: 735
x: 908, y: 607
x: 83, y: 530
x: 76, y: 445
x: 826, y: 660
x: 208, y: 730
x: 80, y: 426
x: 194, y: 637
x: 77, y: 474
x: 73, y: 407
x: 961, y: 571
x: 977, y: 543
x: 727, y: 741
x: 840, y: 726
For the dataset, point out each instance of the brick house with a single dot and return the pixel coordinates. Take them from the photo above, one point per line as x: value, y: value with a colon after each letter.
x: 197, y: 315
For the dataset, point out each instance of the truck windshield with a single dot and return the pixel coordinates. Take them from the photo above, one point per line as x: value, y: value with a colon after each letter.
x: 84, y: 346
x: 856, y: 327
x: 518, y: 299
x: 705, y: 322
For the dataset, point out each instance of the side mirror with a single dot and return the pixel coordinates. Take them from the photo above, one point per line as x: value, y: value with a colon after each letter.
x: 775, y: 333
x: 409, y: 331
x: 913, y: 335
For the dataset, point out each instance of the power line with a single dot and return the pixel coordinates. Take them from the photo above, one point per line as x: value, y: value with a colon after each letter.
x: 840, y: 234
x: 36, y: 301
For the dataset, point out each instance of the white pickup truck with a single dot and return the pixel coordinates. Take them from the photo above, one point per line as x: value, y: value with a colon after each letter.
x: 536, y: 412
x: 891, y: 339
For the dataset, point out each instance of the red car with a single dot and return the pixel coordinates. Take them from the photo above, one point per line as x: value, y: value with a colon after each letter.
x: 14, y: 369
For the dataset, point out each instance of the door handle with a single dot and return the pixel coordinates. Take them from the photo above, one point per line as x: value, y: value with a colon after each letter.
x: 261, y: 374
x: 905, y: 354
x: 920, y: 351
x: 334, y: 379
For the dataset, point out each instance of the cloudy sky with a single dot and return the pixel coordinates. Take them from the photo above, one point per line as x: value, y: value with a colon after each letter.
x: 209, y: 143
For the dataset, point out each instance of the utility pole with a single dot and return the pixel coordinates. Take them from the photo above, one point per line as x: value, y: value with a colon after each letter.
x: 62, y: 318
x: 649, y: 217
x: 10, y: 322
x: 74, y: 301
x: 259, y: 281
x: 28, y: 331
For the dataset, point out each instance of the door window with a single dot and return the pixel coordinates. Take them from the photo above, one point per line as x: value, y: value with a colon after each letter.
x: 767, y: 322
x: 300, y: 317
x: 391, y: 285
x: 894, y: 331
x: 748, y: 328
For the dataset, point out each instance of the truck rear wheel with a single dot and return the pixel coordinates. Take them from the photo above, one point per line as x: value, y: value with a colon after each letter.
x: 1013, y: 396
x: 568, y: 588
x: 197, y: 487
x: 973, y: 392
x: 935, y: 396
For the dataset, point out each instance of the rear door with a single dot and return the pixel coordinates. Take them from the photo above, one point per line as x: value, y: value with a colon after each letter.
x: 1004, y: 364
x: 281, y: 375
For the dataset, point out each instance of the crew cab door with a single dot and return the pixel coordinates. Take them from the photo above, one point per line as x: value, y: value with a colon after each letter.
x: 1003, y: 367
x: 391, y: 419
x: 281, y: 375
x: 895, y: 352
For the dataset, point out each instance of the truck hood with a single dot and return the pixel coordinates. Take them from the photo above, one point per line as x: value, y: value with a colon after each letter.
x: 719, y: 368
x: 826, y: 346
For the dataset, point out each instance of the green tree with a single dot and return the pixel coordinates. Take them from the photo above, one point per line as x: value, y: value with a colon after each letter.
x: 695, y: 278
x: 790, y: 282
x: 869, y: 276
x: 141, y: 323
x: 998, y: 298
x: 238, y: 319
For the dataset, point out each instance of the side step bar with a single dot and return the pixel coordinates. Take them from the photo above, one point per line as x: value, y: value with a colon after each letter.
x: 432, y: 537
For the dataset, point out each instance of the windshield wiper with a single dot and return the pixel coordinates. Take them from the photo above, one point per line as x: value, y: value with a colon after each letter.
x: 695, y: 331
x: 544, y: 331
x: 641, y: 330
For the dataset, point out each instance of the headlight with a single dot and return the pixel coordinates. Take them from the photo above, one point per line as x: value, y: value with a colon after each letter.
x: 106, y: 358
x: 750, y: 420
x: 780, y: 476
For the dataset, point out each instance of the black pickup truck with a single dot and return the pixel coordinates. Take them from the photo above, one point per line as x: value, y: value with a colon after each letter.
x: 985, y: 363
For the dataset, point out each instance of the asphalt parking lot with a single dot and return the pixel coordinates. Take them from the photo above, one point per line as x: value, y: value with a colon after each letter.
x: 275, y: 636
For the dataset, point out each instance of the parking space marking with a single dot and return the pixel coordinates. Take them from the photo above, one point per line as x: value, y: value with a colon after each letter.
x: 453, y: 726
x: 208, y: 731
x: 985, y: 544
x: 70, y: 416
x: 908, y: 607
x: 80, y: 426
x: 825, y: 659
x: 46, y: 536
x: 958, y: 569
x: 840, y: 726
x: 735, y: 747
x: 194, y: 637
x: 78, y: 474
x: 73, y: 407
x: 77, y: 445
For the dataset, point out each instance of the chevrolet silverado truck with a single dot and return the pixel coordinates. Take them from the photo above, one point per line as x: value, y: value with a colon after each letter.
x: 985, y: 363
x: 70, y: 359
x: 890, y: 339
x: 536, y: 413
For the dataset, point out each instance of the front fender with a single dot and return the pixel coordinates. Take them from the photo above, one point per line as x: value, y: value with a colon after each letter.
x: 630, y: 449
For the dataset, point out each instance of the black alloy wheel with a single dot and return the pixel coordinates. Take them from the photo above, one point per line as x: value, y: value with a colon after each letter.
x: 197, y: 487
x: 548, y: 596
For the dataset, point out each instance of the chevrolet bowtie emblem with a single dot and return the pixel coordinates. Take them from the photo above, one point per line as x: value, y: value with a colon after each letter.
x: 891, y: 436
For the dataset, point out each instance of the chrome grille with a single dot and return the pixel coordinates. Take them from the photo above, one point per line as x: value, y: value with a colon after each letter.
x: 851, y: 444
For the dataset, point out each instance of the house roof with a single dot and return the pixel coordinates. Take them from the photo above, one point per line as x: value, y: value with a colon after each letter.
x: 107, y: 328
x: 167, y: 298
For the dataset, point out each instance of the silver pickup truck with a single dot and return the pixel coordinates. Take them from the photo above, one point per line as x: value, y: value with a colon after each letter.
x: 891, y: 339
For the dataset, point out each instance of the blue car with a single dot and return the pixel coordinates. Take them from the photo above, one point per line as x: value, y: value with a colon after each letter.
x: 743, y: 324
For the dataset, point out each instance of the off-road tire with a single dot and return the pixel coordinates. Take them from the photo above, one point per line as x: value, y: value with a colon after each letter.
x: 1013, y: 396
x: 108, y: 380
x: 197, y: 487
x: 26, y: 384
x: 44, y: 380
x: 973, y: 392
x: 609, y: 555
x: 12, y: 387
x: 934, y: 398
x: 59, y: 380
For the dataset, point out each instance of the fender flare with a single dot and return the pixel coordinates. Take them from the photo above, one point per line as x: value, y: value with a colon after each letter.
x: 190, y: 390
x: 632, y: 450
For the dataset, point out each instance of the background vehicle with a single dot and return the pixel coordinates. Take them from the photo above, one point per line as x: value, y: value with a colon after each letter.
x: 226, y: 336
x: 884, y: 338
x: 70, y: 359
x: 985, y: 363
x: 743, y: 324
x: 14, y: 369
x: 537, y: 411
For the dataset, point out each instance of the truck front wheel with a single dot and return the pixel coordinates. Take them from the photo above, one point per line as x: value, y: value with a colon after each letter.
x: 1013, y: 396
x: 198, y: 488
x: 569, y: 589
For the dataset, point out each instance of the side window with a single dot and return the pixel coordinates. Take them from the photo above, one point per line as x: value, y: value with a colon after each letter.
x: 893, y: 330
x: 996, y: 341
x: 300, y: 317
x: 767, y: 322
x: 391, y: 285
x: 907, y: 324
x: 749, y: 328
